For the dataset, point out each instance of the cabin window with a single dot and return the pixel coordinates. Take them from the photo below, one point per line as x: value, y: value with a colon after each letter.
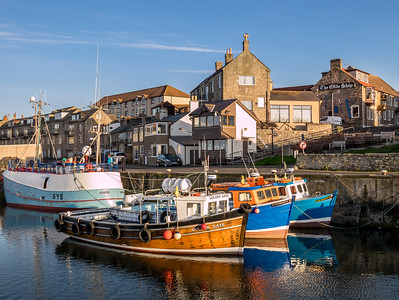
x: 261, y: 195
x: 244, y: 197
x: 274, y: 192
x: 222, y: 206
x: 268, y: 193
x: 193, y: 209
x: 212, y: 208
x: 300, y: 188
x: 293, y: 190
x: 305, y: 189
x: 282, y: 191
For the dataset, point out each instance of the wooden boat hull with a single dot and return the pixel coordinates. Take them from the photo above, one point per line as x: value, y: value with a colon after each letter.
x: 224, y: 234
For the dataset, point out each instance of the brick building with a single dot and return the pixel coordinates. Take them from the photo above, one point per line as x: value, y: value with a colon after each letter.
x: 244, y: 78
x: 359, y: 98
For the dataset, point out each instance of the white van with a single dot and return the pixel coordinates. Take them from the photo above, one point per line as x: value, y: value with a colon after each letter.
x: 331, y: 120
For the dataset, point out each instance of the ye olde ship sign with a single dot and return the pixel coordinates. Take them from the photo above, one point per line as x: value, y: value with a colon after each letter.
x: 337, y: 86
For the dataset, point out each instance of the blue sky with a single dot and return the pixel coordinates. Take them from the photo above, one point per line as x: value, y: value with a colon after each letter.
x: 51, y: 46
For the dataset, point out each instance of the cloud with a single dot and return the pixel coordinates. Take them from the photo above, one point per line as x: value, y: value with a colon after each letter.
x: 43, y: 41
x: 191, y: 71
x: 165, y: 47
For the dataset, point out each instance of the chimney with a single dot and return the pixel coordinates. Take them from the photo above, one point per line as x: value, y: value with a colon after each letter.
x: 245, y: 43
x: 193, y: 105
x: 218, y: 65
x: 228, y: 56
x: 5, y: 118
x: 336, y: 64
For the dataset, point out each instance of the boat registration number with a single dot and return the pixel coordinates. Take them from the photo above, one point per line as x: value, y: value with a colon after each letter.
x: 58, y: 196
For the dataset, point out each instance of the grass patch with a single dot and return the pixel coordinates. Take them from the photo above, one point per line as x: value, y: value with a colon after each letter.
x: 276, y: 160
x: 383, y: 149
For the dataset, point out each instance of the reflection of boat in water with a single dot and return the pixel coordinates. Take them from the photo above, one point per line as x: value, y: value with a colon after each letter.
x: 311, y: 249
x: 162, y: 276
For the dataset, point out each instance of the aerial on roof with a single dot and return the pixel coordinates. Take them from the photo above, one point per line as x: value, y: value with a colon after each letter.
x: 164, y: 90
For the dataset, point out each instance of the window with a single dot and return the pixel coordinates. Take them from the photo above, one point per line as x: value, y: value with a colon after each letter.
x: 268, y: 193
x: 274, y: 192
x: 216, y: 120
x: 141, y: 136
x: 222, y: 144
x: 299, y: 187
x: 279, y: 113
x: 206, y: 92
x: 178, y: 149
x: 71, y: 140
x: 246, y: 80
x: 196, y: 122
x: 293, y: 190
x: 355, y: 111
x: 212, y: 86
x: 161, y: 128
x: 135, y: 135
x: 302, y: 113
x: 220, y: 81
x: 224, y: 120
x: 244, y: 197
x: 141, y: 149
x: 216, y: 145
x: 247, y: 104
x: 212, y: 208
x: 305, y: 189
x: 135, y: 152
x: 222, y: 206
x: 193, y: 209
x: 153, y: 150
x: 261, y: 195
x: 202, y: 121
x: 210, y: 121
x: 231, y: 121
x: 210, y: 145
x: 261, y: 102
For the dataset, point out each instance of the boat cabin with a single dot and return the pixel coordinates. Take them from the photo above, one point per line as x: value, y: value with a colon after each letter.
x: 296, y: 186
x: 254, y: 195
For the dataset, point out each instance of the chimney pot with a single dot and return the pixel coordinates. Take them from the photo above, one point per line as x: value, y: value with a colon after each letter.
x: 229, y: 56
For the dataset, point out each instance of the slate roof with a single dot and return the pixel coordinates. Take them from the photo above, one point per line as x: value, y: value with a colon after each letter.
x: 164, y: 90
x: 294, y: 95
x: 183, y: 140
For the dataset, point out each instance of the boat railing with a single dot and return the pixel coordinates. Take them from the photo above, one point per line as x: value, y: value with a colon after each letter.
x: 60, y: 167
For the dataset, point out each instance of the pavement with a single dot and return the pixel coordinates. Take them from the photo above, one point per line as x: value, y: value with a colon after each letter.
x: 240, y: 169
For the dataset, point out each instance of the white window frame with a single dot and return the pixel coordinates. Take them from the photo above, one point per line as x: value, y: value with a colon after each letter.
x: 358, y: 112
x: 261, y: 102
x: 246, y: 80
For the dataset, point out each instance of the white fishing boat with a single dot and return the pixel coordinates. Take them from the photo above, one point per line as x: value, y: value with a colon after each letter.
x: 61, y: 186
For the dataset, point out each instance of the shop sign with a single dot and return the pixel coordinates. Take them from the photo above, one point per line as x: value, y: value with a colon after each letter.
x: 336, y: 86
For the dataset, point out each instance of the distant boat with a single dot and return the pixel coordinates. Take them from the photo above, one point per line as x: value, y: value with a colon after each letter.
x: 61, y: 186
x: 184, y: 223
x: 269, y: 214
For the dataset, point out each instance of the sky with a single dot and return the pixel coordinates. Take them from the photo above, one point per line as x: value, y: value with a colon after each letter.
x: 48, y: 49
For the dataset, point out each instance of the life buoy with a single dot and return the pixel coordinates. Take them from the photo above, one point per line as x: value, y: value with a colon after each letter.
x: 163, y: 216
x: 145, y: 235
x: 245, y: 208
x: 75, y: 229
x: 59, y: 225
x: 116, y: 232
x: 145, y: 216
x: 90, y: 228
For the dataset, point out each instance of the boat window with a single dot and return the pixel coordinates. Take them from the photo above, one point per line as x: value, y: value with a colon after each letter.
x: 261, y: 195
x: 282, y: 191
x: 293, y: 190
x: 274, y: 192
x: 45, y: 183
x: 244, y: 197
x: 300, y: 188
x: 304, y: 187
x: 222, y: 206
x: 212, y: 208
x: 268, y: 193
x: 193, y: 209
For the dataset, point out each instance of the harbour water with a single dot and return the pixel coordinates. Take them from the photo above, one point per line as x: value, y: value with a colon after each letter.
x: 36, y: 262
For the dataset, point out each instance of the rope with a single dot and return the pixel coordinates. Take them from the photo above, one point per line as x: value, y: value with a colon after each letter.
x: 77, y: 179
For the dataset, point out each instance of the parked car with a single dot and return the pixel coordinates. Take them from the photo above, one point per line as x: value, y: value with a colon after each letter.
x: 117, y: 157
x: 331, y: 120
x: 164, y: 160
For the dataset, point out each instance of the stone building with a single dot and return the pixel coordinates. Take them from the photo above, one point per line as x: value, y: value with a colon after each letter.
x: 144, y: 102
x: 359, y: 98
x: 244, y: 78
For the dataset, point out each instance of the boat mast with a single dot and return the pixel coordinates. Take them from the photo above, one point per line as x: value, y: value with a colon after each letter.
x: 38, y: 122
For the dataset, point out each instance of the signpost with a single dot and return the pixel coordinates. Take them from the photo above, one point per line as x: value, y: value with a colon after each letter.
x: 303, y: 146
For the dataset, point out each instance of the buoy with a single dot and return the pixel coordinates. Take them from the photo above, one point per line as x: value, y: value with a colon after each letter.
x: 204, y: 226
x: 167, y: 234
x: 177, y: 235
x: 257, y: 210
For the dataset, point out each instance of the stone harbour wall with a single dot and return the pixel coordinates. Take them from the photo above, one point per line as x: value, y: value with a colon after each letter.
x: 349, y: 162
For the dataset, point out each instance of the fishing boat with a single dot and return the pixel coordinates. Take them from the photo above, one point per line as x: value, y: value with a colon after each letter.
x: 269, y: 213
x: 308, y: 211
x: 181, y: 223
x: 61, y: 186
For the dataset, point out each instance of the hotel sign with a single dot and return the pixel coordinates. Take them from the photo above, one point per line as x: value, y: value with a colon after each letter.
x: 336, y: 86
